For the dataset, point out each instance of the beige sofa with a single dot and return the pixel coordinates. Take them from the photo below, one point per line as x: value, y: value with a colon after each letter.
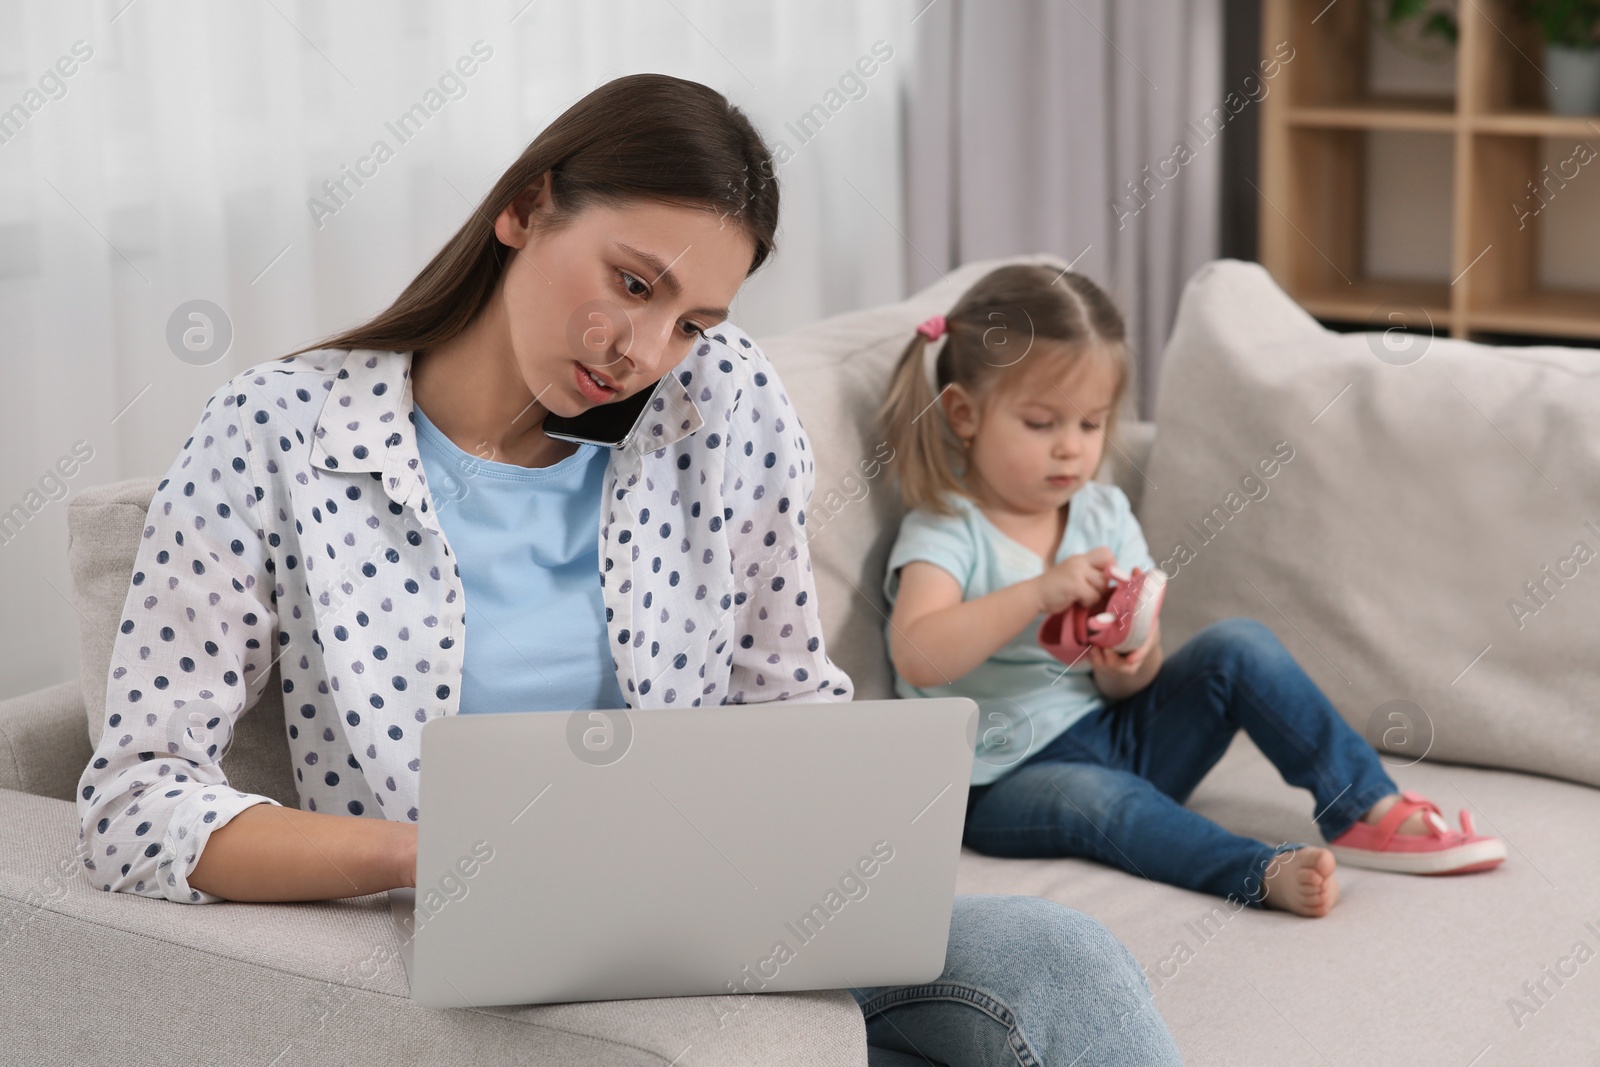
x: 1478, y: 970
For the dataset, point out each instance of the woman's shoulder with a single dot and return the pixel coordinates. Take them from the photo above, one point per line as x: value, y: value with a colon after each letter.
x: 738, y: 392
x: 277, y: 409
x: 274, y: 380
x: 727, y: 337
x: 277, y: 395
x: 725, y: 363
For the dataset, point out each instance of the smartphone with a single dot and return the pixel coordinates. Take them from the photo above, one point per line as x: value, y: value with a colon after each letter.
x: 613, y: 424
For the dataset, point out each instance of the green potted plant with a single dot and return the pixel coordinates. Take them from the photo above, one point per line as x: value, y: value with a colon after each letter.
x: 1571, y: 32
x: 1426, y: 28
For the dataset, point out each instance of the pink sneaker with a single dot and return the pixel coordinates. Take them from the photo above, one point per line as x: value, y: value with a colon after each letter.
x: 1439, y: 851
x: 1121, y: 621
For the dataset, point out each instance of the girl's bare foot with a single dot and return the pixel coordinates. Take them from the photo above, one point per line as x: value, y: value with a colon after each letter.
x: 1302, y: 881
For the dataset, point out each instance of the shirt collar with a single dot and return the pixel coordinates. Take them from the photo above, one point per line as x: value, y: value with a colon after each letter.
x: 366, y: 415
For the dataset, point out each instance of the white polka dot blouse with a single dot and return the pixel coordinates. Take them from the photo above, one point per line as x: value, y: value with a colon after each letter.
x: 296, y: 529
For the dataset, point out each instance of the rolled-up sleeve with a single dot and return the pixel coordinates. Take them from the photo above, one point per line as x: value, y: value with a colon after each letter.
x: 193, y: 651
x: 778, y: 649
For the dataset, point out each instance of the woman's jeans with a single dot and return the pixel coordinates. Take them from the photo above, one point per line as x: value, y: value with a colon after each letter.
x: 1112, y: 786
x: 1027, y: 982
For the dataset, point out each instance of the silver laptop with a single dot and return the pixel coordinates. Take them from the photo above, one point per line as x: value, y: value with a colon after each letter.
x: 605, y: 855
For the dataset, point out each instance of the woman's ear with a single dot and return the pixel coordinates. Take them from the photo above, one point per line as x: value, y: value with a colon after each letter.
x: 516, y: 222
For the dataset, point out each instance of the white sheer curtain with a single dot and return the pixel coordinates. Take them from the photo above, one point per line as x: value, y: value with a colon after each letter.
x: 1029, y: 120
x: 158, y: 152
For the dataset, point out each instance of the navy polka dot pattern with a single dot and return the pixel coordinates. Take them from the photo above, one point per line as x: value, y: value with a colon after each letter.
x: 296, y: 529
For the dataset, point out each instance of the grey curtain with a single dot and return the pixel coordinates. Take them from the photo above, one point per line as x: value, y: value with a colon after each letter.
x: 1055, y: 126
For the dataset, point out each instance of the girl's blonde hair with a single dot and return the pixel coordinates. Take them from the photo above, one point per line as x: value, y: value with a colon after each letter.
x: 1012, y: 313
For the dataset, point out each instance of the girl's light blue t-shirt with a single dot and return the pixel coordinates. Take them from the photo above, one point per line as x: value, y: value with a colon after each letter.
x: 526, y: 540
x: 1026, y: 697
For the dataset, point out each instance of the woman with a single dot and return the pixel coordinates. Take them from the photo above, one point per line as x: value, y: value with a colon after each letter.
x: 297, y: 528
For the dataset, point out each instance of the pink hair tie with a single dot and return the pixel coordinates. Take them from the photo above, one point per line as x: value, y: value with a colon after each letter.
x: 933, y: 328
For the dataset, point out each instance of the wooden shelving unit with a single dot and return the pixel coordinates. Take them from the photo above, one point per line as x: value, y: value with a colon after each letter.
x: 1315, y: 129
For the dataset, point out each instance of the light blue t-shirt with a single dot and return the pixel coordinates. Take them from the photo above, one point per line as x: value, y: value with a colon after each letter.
x: 527, y: 542
x: 1023, y: 697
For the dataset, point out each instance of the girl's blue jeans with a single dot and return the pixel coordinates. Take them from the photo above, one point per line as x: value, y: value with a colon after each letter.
x: 1027, y: 982
x: 1113, y: 785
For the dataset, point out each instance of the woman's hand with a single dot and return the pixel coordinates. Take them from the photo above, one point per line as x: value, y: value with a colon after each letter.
x: 1079, y: 579
x: 1121, y: 674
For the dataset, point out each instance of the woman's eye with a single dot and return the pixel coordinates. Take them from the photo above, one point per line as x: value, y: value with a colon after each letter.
x: 628, y: 278
x: 1038, y: 425
x: 1091, y: 427
x: 629, y: 281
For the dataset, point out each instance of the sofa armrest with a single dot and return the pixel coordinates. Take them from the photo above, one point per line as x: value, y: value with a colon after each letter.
x: 44, y: 741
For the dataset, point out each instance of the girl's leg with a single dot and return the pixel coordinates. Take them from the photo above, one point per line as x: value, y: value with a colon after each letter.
x: 1049, y: 807
x: 1235, y: 673
x: 1026, y: 983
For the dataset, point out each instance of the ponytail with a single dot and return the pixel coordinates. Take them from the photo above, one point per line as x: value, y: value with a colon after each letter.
x: 918, y: 434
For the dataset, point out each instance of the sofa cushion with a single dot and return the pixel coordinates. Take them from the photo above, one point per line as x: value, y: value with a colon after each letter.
x: 103, y: 529
x: 1428, y: 541
x: 1405, y: 970
x: 835, y: 372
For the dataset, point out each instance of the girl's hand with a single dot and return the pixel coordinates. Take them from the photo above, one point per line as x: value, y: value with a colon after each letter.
x: 1079, y: 579
x: 1127, y: 663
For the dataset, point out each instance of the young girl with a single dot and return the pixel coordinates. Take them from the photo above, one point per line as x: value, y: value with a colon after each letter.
x: 1004, y: 527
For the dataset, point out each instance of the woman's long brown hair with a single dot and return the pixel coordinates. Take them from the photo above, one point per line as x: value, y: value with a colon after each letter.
x: 640, y: 137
